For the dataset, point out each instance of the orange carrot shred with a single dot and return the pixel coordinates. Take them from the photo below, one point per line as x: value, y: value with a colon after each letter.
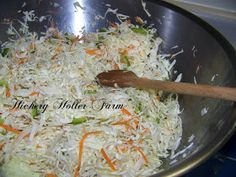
x: 130, y: 47
x: 81, y: 146
x: 8, y: 93
x: 139, y: 20
x: 140, y: 141
x: 123, y: 51
x: 116, y: 66
x: 144, y: 131
x: 34, y: 94
x: 54, y: 56
x: 142, y: 154
x: 10, y: 129
x: 91, y: 51
x: 22, y: 61
x: 50, y: 175
x: 58, y: 49
x: 112, y: 166
x: 1, y: 146
x: 38, y: 146
x: 122, y: 121
x: 126, y: 123
x: 15, y: 88
x: 121, y: 148
x: 125, y: 111
x: 13, y: 110
x: 32, y: 46
x: 128, y: 21
x: 130, y: 142
x: 136, y: 122
x: 112, y: 24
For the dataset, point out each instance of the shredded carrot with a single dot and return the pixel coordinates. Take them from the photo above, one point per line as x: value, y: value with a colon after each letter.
x: 122, y: 148
x: 123, y: 122
x: 158, y: 97
x: 54, y: 56
x: 127, y: 125
x: 112, y: 166
x: 92, y: 51
x: 34, y: 94
x: 140, y: 141
x: 142, y: 154
x: 32, y: 46
x: 128, y: 21
x: 10, y: 129
x: 116, y: 66
x: 81, y: 146
x: 50, y: 175
x: 38, y: 146
x: 15, y: 88
x: 130, y: 142
x: 58, y: 49
x: 8, y: 93
x: 144, y: 131
x: 136, y: 122
x: 112, y: 24
x: 13, y: 130
x: 131, y: 46
x: 22, y: 61
x: 139, y: 20
x: 1, y: 146
x: 13, y: 110
x: 123, y: 51
x: 125, y: 111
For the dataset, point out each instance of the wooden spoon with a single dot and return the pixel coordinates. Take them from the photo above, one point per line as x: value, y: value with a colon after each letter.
x: 122, y: 78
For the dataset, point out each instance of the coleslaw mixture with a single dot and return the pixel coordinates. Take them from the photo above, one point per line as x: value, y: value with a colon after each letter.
x: 130, y: 141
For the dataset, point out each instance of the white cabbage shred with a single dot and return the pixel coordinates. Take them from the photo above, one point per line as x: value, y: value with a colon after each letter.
x: 63, y: 66
x: 144, y: 8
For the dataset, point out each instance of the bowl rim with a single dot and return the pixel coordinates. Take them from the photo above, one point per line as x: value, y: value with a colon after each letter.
x: 204, y: 153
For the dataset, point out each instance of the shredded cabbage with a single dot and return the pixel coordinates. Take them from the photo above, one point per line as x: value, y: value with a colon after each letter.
x: 59, y: 67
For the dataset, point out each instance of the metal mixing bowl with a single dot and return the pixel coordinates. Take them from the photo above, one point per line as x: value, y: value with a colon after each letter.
x: 212, y: 55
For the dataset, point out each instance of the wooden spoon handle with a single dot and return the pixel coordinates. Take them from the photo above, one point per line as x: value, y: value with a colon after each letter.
x: 188, y: 89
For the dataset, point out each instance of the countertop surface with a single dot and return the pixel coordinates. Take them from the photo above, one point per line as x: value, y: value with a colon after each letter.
x: 220, y: 14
